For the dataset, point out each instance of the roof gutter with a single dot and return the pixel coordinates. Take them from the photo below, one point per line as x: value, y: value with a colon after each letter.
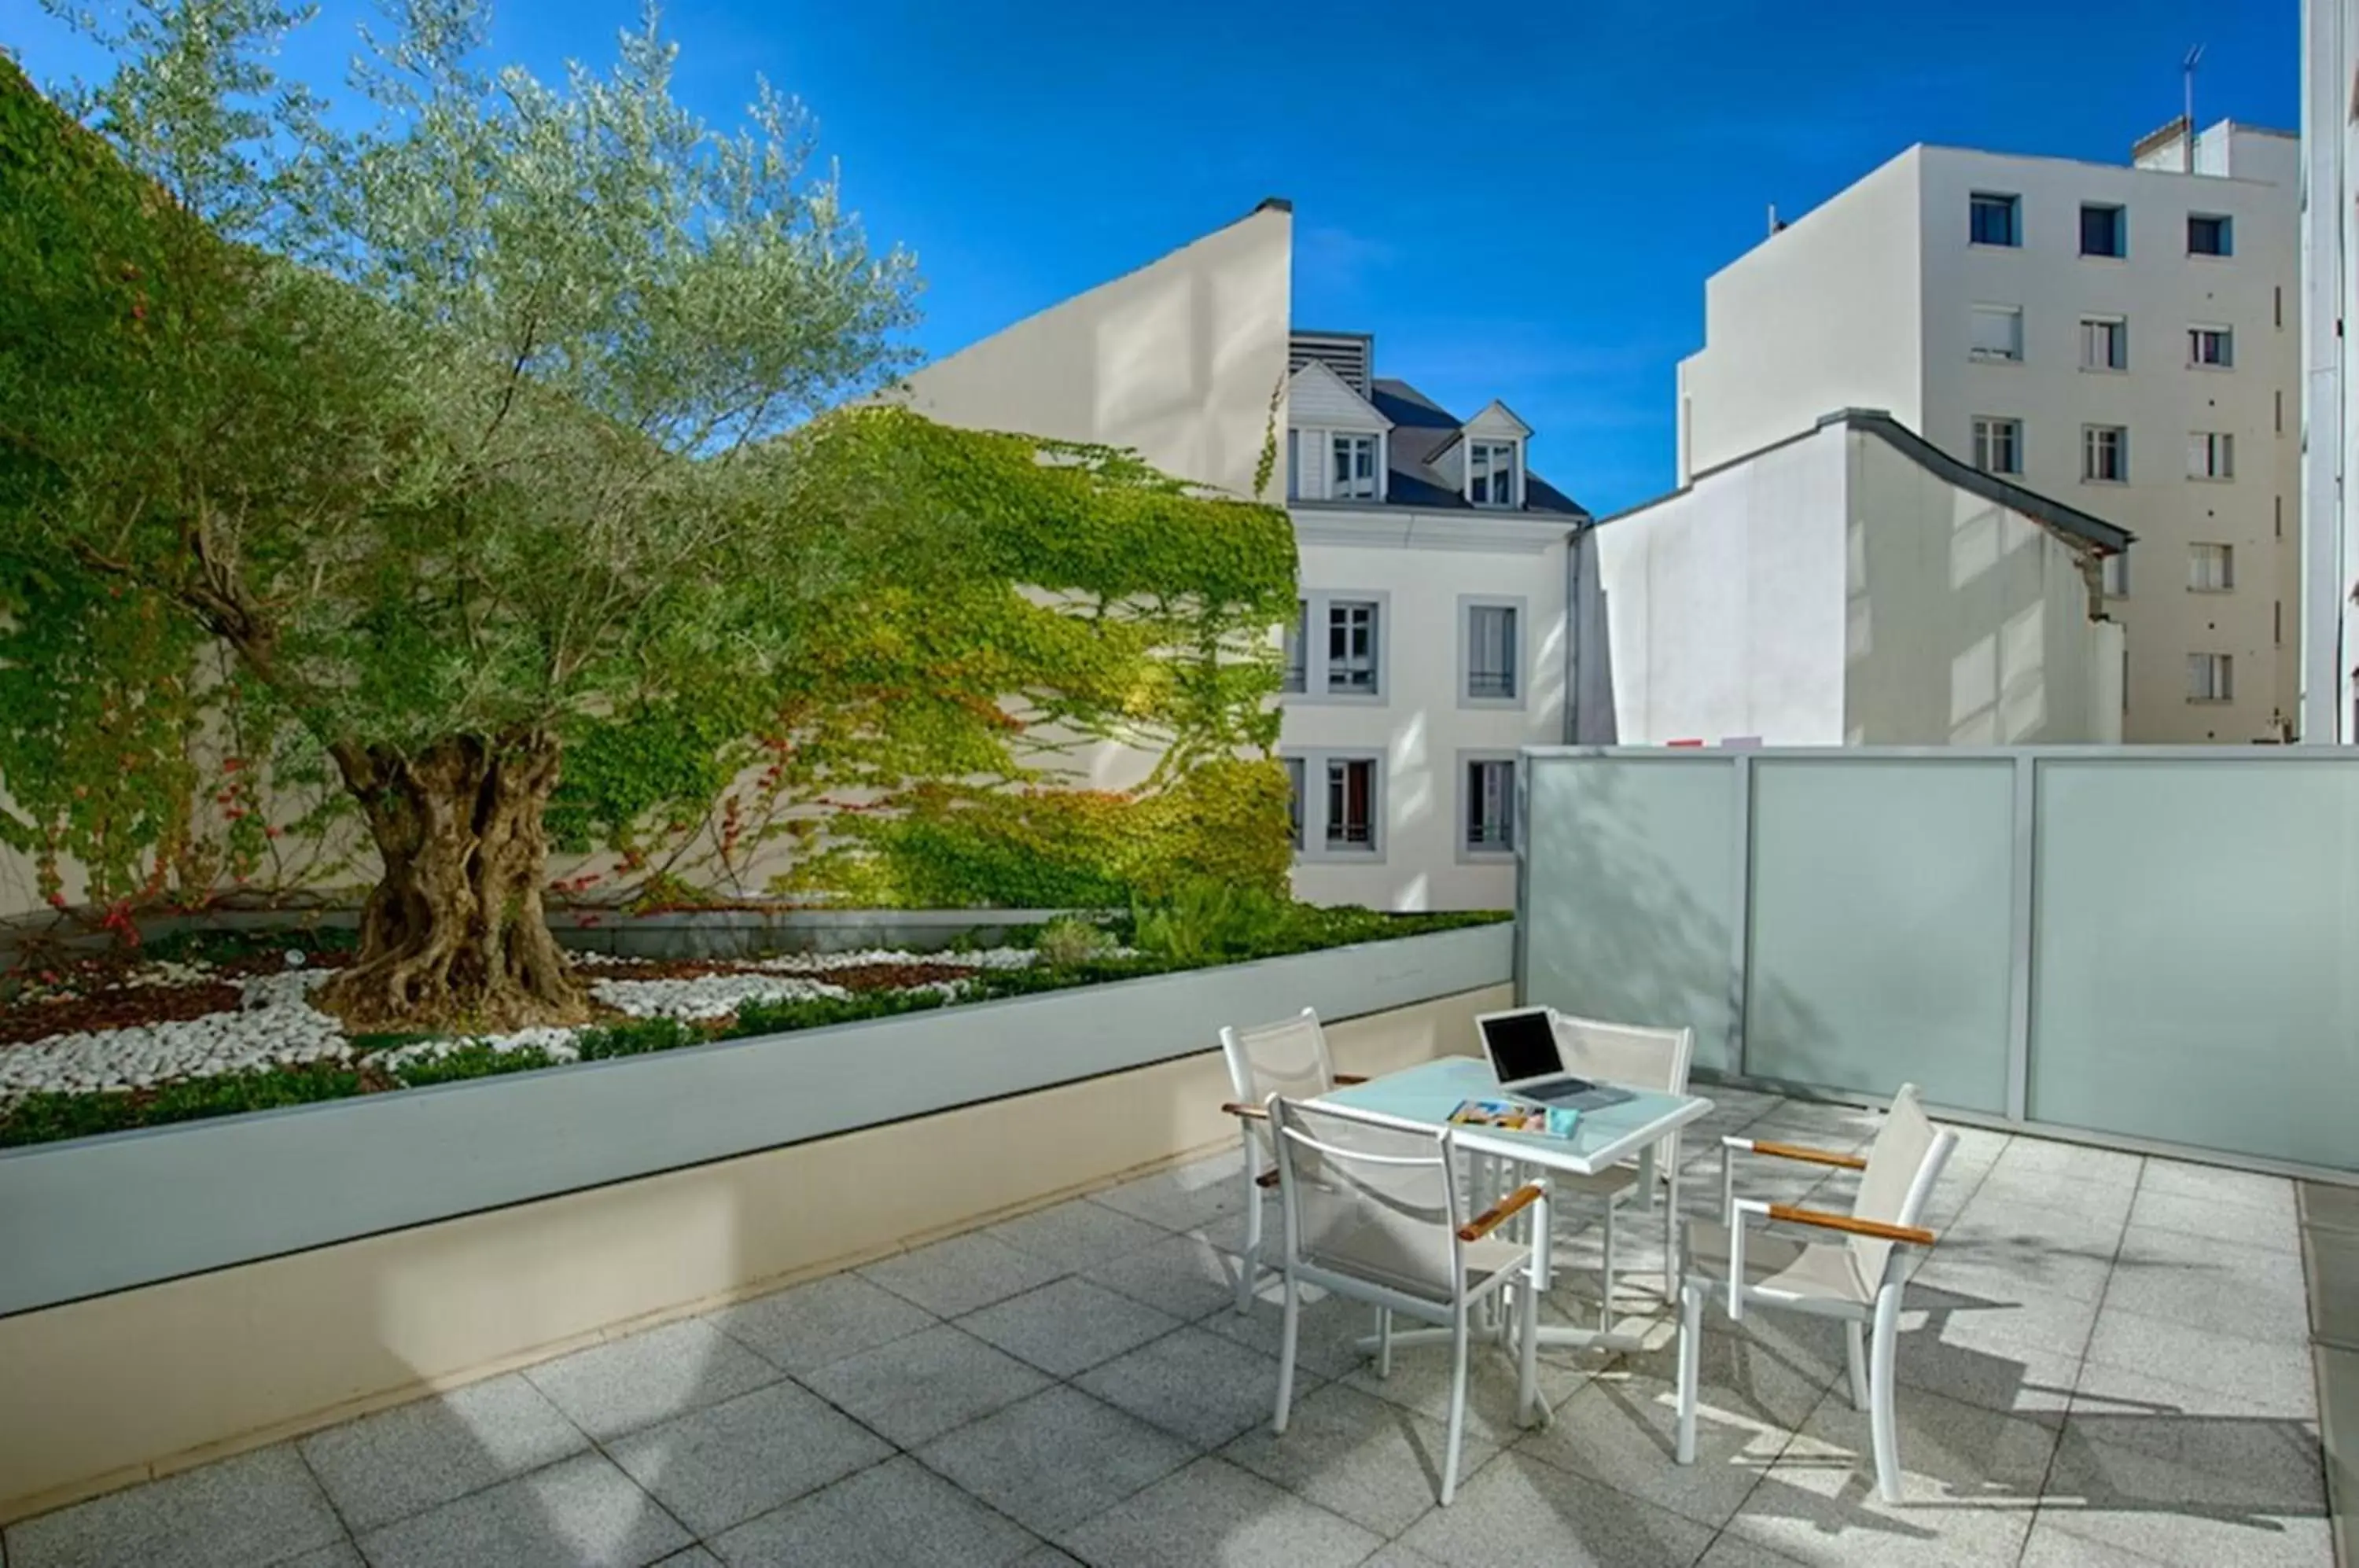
x: 1572, y: 584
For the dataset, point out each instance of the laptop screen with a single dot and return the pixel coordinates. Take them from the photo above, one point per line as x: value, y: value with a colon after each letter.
x: 1521, y: 1045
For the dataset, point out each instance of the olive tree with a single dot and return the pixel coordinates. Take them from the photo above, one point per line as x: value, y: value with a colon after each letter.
x: 455, y: 430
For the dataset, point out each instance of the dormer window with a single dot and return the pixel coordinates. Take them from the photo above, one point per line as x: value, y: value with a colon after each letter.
x: 1491, y: 473
x: 1354, y: 476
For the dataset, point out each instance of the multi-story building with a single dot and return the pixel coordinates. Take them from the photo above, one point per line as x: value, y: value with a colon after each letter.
x: 2330, y: 285
x: 2124, y: 339
x: 1430, y: 641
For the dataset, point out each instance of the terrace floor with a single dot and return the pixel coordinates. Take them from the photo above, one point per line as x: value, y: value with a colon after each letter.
x: 2107, y: 1361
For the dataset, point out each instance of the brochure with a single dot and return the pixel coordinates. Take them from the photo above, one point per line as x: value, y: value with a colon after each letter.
x: 1516, y: 1116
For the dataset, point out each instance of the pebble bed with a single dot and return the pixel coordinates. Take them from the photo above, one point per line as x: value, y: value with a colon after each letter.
x: 275, y: 1024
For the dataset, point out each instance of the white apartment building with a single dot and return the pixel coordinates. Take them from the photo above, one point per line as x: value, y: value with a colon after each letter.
x: 1430, y: 641
x: 2329, y: 288
x: 2122, y: 338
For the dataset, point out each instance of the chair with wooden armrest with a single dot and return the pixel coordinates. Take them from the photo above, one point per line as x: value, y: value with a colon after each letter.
x: 1288, y: 1058
x: 1374, y: 1211
x: 1854, y: 1270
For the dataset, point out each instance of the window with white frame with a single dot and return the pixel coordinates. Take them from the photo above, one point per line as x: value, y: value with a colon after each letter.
x: 2211, y: 568
x: 1352, y: 646
x: 2210, y: 678
x: 1296, y: 768
x: 2208, y: 235
x: 1294, y: 465
x: 1298, y: 649
x: 1350, y: 817
x: 2104, y: 343
x: 1491, y: 650
x: 1998, y: 445
x: 1993, y: 219
x: 1997, y: 333
x: 1491, y: 472
x: 2213, y: 348
x: 1488, y: 825
x: 2211, y: 454
x: 2106, y: 454
x: 1353, y: 476
x: 2113, y: 576
x: 1335, y: 651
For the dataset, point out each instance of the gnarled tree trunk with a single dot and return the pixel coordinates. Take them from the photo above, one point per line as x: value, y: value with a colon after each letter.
x: 453, y: 934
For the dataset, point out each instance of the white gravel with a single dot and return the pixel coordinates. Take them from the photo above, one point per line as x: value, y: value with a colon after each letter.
x: 275, y: 1025
x: 707, y: 996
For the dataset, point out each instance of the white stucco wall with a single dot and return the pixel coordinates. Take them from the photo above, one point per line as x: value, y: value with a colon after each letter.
x: 1178, y: 359
x: 1821, y: 316
x: 1725, y: 603
x: 1421, y: 568
x: 1966, y: 623
x: 2330, y: 283
x: 2159, y: 290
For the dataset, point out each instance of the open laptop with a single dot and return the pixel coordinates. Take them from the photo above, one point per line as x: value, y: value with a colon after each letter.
x: 1521, y: 1044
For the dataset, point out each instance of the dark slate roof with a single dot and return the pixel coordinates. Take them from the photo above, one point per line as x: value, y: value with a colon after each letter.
x: 2109, y: 539
x: 1423, y: 430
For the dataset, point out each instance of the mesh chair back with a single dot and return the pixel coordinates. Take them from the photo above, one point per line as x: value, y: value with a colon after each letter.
x: 1634, y: 1056
x: 1902, y: 1166
x: 1368, y: 1199
x: 1288, y: 1059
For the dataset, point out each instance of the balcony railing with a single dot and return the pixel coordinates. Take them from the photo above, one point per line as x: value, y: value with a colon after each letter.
x: 2149, y: 945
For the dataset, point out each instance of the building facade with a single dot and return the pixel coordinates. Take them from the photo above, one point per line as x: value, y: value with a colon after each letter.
x: 2329, y: 287
x: 2124, y: 339
x: 1430, y: 641
x: 1850, y: 586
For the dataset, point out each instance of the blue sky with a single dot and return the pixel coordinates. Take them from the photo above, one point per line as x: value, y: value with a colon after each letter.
x: 1521, y: 204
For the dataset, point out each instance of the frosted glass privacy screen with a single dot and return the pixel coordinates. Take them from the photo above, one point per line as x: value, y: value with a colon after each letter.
x: 1881, y: 924
x: 1629, y: 909
x: 2196, y: 973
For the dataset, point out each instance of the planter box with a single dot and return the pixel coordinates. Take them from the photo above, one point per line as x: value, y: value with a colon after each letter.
x: 101, y: 1215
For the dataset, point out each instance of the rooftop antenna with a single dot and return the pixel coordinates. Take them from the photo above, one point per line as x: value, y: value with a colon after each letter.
x: 2187, y: 143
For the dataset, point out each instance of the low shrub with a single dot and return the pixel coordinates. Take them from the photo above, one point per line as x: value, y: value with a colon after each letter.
x: 45, y: 1116
x: 1065, y: 942
x: 471, y: 1061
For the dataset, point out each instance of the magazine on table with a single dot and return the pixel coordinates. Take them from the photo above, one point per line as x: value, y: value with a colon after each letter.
x: 1516, y: 1116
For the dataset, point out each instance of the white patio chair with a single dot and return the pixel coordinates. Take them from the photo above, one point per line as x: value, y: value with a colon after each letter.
x: 1857, y: 1277
x: 1632, y: 1056
x: 1291, y: 1058
x: 1373, y: 1211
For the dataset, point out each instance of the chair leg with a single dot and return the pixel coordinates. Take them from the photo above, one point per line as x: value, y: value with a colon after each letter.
x: 1528, y: 1348
x: 1691, y: 1360
x: 1883, y: 1423
x: 1383, y: 1342
x: 1249, y: 1262
x: 1457, y: 1405
x: 1855, y: 1360
x: 1292, y: 1318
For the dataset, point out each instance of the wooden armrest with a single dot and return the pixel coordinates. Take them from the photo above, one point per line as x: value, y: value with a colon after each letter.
x: 1500, y: 1212
x: 1796, y: 1152
x: 1259, y: 1113
x: 1916, y: 1236
x: 1344, y: 1078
